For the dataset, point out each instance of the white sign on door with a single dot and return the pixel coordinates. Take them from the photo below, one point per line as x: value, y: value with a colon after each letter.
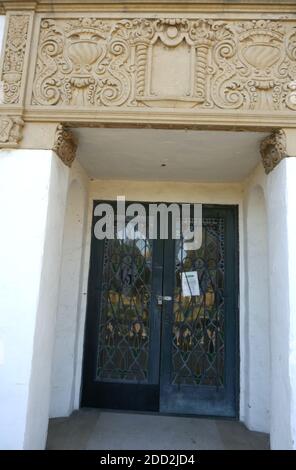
x: 190, y: 284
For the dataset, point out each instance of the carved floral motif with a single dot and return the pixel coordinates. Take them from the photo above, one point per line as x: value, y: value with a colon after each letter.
x: 14, y: 55
x: 10, y: 130
x: 291, y: 97
x: 86, y: 62
x: 273, y: 150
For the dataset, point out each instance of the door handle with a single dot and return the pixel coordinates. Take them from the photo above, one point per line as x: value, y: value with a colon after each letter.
x: 167, y: 297
x: 161, y: 298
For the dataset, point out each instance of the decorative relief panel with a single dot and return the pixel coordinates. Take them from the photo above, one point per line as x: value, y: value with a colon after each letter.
x: 14, y: 57
x: 238, y: 65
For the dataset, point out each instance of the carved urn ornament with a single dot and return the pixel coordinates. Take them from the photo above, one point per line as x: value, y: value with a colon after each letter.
x: 261, y: 46
x: 84, y: 48
x: 261, y: 49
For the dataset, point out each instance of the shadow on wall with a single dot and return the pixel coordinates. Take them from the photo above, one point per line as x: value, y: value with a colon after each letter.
x: 258, y: 318
x: 63, y: 372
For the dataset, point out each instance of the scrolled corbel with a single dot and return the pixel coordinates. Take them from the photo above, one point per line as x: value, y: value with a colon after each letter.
x: 273, y: 149
x: 65, y: 144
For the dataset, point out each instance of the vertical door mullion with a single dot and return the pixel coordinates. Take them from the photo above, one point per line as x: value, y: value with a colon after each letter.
x: 167, y: 317
x: 231, y: 309
x: 155, y: 312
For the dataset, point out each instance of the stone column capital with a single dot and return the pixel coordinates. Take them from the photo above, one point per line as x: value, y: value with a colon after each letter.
x: 47, y: 136
x: 10, y: 131
x: 277, y: 146
x: 273, y: 149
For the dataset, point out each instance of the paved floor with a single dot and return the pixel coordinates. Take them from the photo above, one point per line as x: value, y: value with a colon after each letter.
x: 102, y: 430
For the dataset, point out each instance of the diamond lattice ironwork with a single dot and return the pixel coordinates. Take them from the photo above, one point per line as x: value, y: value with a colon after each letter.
x: 198, y: 327
x: 123, y: 343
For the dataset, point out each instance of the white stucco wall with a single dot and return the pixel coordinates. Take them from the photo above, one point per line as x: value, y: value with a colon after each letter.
x: 39, y: 392
x: 30, y: 251
x: 272, y: 397
x: 257, y: 322
x: 281, y: 206
x: 63, y: 374
x: 291, y: 211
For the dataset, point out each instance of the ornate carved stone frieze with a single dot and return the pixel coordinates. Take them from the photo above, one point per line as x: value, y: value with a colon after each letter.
x: 273, y: 150
x: 14, y: 56
x: 166, y: 63
x: 10, y: 130
x: 65, y: 144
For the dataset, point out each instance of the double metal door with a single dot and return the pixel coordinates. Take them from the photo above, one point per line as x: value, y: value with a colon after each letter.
x: 150, y: 347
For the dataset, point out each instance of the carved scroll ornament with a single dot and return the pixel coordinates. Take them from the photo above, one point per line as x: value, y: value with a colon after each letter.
x: 93, y: 62
x: 14, y: 56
